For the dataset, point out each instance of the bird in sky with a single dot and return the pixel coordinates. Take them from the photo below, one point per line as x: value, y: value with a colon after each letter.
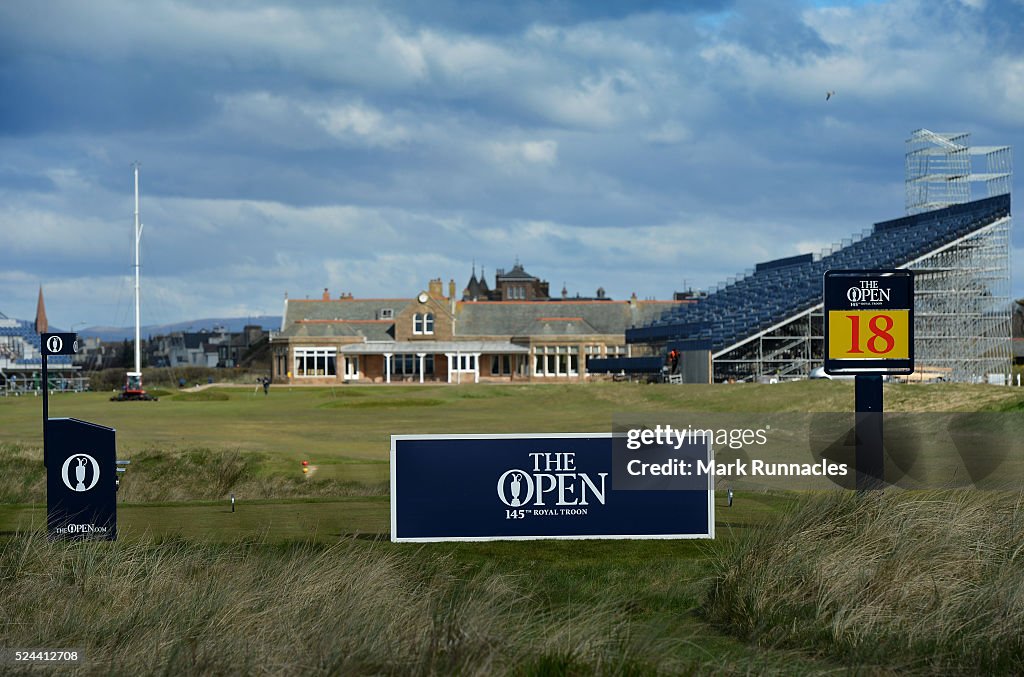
x: 829, y: 95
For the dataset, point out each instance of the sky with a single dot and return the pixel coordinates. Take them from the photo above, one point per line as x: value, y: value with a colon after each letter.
x: 367, y: 147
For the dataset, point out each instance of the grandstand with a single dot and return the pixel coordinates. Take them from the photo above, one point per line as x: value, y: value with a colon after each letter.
x: 21, y: 361
x: 768, y: 323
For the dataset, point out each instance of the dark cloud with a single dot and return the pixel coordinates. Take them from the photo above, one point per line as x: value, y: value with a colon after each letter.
x: 775, y: 29
x: 18, y: 181
x: 500, y: 17
x: 71, y: 95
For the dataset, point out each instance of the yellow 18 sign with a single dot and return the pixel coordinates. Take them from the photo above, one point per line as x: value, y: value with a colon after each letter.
x: 869, y: 334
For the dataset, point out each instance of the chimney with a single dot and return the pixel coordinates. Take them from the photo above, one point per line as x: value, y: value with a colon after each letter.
x: 436, y: 288
x: 326, y: 296
x: 42, y: 326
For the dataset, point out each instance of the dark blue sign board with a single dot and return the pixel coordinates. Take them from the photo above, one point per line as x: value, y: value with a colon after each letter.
x: 59, y: 344
x: 517, y: 487
x: 81, y: 480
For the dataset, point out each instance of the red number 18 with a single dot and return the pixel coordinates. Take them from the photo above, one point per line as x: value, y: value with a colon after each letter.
x: 877, y: 334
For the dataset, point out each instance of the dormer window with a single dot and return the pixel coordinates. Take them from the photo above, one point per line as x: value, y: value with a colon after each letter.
x: 386, y: 314
x: 423, y: 323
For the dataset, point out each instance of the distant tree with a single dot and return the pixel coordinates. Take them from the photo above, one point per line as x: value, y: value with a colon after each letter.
x: 126, y: 359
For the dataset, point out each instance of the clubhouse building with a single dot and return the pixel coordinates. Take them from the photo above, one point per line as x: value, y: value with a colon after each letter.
x: 513, y: 332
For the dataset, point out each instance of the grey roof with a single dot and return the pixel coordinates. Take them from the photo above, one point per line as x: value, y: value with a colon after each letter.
x: 193, y: 340
x: 316, y: 318
x: 370, y: 331
x: 547, y: 326
x: 517, y: 273
x: 355, y: 318
x: 526, y: 318
x: 339, y: 309
x: 434, y: 347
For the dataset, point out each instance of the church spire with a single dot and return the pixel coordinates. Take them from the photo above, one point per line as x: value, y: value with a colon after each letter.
x: 41, y: 324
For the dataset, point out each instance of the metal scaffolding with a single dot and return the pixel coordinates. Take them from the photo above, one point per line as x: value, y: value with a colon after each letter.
x: 768, y: 324
x: 962, y: 307
x: 939, y: 170
x: 962, y: 310
x: 962, y: 314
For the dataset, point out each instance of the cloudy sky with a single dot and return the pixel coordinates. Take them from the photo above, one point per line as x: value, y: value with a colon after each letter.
x: 367, y: 147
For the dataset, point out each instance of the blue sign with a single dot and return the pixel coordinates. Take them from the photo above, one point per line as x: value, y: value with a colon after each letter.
x: 81, y: 480
x: 510, y: 487
x: 59, y: 344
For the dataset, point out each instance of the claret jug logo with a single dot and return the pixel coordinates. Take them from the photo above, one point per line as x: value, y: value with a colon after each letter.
x: 80, y: 472
x: 552, y: 480
x: 868, y: 293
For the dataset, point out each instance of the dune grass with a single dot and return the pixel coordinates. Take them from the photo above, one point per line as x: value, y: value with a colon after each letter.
x: 930, y: 582
x: 177, y: 607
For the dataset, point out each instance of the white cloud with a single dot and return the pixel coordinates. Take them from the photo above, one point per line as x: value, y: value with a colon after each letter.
x: 294, y: 122
x: 544, y: 152
x: 600, y: 102
x: 669, y: 133
x: 359, y: 121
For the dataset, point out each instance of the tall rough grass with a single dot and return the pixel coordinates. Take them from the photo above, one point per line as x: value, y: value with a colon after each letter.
x: 193, y: 474
x: 929, y: 582
x: 22, y: 474
x: 176, y: 607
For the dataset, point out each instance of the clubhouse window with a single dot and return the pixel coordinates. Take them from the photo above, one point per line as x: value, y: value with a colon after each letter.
x: 408, y: 364
x: 423, y: 323
x: 501, y: 365
x: 556, y: 361
x: 316, y: 362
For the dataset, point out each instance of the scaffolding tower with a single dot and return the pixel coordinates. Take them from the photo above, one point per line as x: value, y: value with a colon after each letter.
x: 962, y: 310
x: 940, y: 171
x: 962, y: 290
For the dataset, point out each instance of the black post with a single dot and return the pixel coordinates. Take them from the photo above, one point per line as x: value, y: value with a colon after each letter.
x: 46, y: 402
x: 870, y: 457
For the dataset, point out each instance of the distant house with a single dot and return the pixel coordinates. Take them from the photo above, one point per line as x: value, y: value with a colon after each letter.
x: 205, y: 348
x: 438, y: 337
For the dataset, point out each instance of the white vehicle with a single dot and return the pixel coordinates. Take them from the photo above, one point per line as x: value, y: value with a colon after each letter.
x: 819, y: 372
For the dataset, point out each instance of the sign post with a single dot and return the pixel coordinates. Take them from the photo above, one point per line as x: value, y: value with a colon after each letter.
x: 869, y: 332
x: 81, y: 464
x: 53, y: 344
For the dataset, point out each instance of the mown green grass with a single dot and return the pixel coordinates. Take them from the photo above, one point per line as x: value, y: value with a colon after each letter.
x: 291, y: 424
